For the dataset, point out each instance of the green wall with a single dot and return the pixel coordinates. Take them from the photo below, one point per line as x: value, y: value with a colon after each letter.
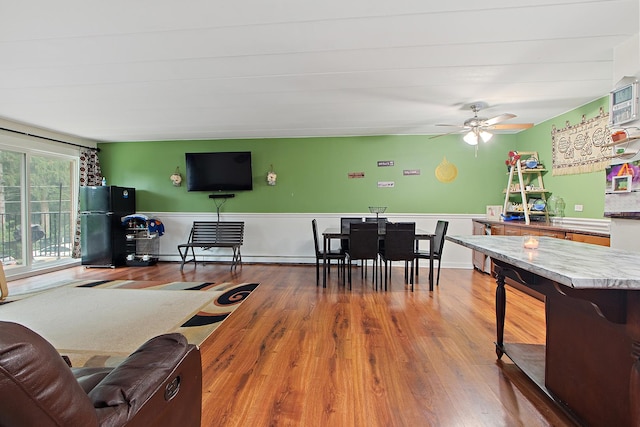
x: 313, y: 173
x: 585, y: 189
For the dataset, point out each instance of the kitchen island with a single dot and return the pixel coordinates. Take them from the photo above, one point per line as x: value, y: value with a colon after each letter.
x: 590, y: 365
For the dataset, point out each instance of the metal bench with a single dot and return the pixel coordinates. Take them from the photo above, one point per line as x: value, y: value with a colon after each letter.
x: 213, y: 234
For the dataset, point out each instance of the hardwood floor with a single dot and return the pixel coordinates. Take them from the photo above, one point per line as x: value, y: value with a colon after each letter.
x: 299, y: 355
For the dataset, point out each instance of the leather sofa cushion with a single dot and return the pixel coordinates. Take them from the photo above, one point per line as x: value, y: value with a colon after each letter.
x: 37, y: 388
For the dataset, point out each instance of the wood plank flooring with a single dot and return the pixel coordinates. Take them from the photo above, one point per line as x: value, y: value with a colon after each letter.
x: 295, y: 354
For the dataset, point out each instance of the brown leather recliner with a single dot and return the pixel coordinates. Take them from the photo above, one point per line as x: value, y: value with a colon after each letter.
x: 160, y: 384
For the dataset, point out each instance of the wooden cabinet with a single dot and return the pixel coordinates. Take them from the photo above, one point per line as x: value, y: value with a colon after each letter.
x: 497, y: 229
x: 588, y: 238
x: 513, y: 231
x: 552, y: 233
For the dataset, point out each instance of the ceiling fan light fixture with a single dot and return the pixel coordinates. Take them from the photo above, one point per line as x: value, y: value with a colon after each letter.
x: 471, y: 138
x: 486, y: 136
x: 477, y: 127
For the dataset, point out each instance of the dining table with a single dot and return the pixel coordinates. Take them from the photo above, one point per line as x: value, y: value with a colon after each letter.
x: 336, y: 233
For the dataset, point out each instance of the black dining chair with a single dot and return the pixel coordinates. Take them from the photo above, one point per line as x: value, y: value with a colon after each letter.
x: 438, y: 245
x: 332, y: 254
x: 345, y: 226
x: 382, y: 223
x: 363, y: 245
x: 398, y: 245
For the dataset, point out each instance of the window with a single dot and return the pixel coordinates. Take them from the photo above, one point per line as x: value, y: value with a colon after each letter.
x: 38, y: 203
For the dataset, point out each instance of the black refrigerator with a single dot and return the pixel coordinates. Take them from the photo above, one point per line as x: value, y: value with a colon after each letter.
x: 102, y: 237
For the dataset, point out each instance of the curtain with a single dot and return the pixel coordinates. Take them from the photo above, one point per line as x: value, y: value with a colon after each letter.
x: 90, y: 174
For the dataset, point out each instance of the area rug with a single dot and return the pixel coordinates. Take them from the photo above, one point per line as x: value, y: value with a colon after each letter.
x: 225, y: 299
x: 99, y: 323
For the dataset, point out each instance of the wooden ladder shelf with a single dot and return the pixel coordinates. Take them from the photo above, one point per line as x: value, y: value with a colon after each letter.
x: 526, y: 181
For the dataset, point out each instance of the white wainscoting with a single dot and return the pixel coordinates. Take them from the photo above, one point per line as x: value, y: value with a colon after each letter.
x: 288, y: 238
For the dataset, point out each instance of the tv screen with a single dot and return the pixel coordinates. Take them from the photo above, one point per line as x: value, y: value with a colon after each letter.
x: 223, y: 171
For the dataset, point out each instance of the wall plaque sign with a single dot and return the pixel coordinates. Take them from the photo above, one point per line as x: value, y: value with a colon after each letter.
x: 407, y: 172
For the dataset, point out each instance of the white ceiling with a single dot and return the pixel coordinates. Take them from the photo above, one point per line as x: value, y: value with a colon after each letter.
x: 204, y: 69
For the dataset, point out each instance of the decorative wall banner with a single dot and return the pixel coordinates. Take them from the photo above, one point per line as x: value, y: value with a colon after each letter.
x: 386, y: 184
x: 581, y: 148
x: 356, y: 175
x: 385, y: 163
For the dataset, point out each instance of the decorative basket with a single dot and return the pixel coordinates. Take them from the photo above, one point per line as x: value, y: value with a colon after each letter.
x: 377, y: 209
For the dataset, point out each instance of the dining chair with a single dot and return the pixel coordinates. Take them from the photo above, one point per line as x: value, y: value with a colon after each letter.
x: 438, y: 245
x: 398, y: 245
x: 332, y: 254
x: 382, y: 222
x: 345, y: 226
x: 363, y: 245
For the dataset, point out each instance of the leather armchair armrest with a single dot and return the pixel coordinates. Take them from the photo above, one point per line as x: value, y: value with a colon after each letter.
x: 154, y: 379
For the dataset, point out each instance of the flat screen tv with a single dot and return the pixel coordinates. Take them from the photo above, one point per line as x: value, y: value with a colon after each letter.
x: 222, y: 171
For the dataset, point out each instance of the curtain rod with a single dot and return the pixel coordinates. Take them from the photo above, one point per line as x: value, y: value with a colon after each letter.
x: 49, y: 139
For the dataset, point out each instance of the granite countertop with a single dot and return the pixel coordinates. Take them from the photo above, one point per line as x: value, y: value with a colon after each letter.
x: 575, y: 264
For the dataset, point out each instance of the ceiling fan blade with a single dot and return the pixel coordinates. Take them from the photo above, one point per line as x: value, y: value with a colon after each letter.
x: 451, y: 126
x: 508, y: 126
x: 448, y: 133
x: 497, y: 119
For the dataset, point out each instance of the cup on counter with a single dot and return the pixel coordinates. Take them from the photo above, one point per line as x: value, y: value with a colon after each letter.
x: 146, y: 257
x: 131, y: 257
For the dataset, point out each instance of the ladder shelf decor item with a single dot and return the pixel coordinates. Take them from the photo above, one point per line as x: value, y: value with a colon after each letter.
x: 525, y: 195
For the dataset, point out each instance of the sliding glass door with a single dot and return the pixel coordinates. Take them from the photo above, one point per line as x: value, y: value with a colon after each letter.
x: 50, y: 207
x: 37, y: 209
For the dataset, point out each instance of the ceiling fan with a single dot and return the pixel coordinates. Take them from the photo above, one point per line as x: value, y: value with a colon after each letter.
x: 477, y: 128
